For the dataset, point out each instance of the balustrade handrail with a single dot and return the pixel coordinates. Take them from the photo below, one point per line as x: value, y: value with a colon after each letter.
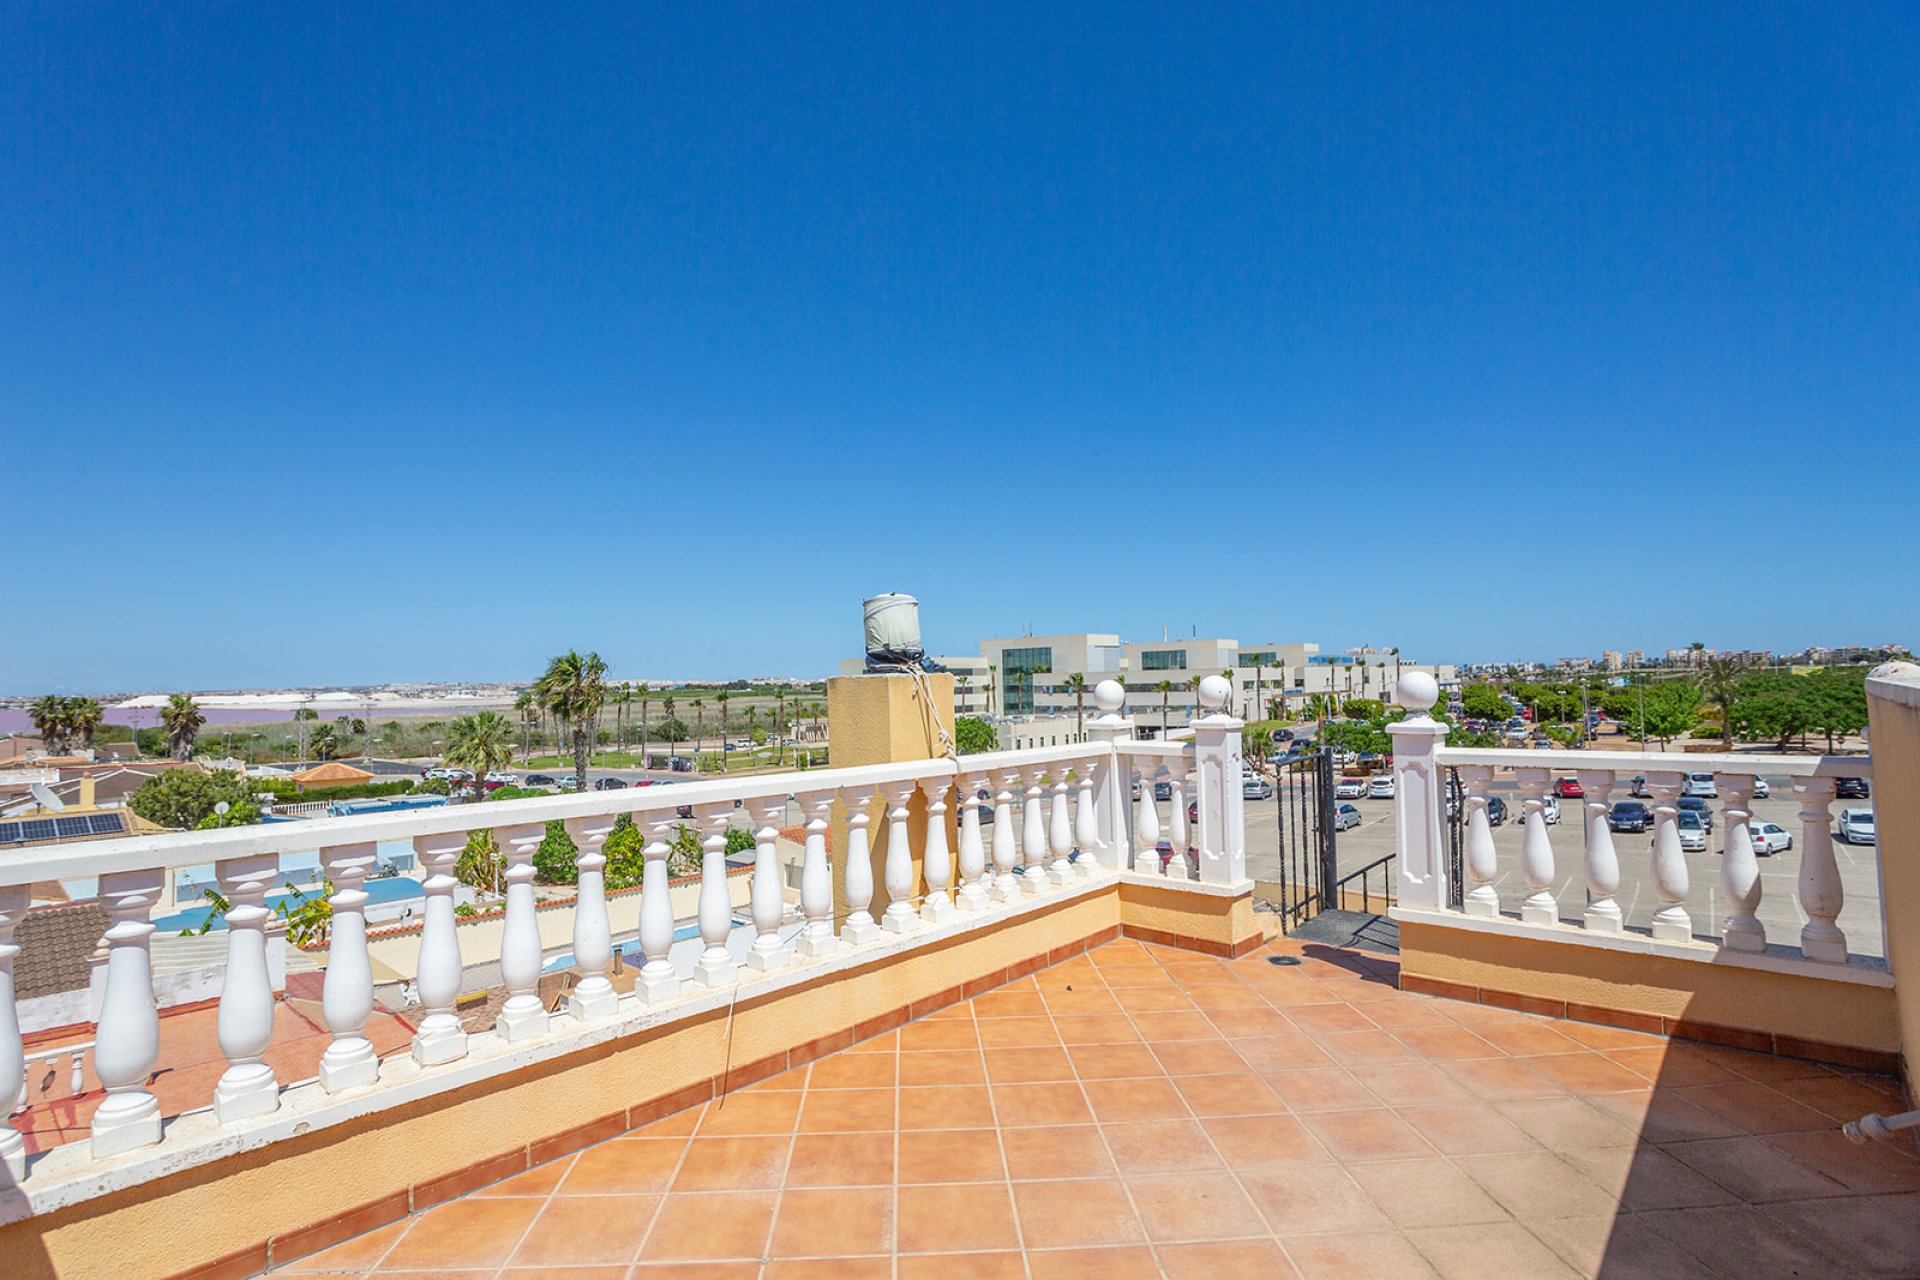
x: 1661, y: 761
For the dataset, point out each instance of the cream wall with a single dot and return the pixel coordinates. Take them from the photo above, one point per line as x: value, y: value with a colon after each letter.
x: 1893, y: 708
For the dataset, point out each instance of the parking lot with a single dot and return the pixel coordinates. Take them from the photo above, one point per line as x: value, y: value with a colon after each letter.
x: 1706, y: 902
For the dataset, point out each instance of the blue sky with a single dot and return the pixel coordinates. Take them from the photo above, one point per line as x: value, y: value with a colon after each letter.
x: 365, y: 345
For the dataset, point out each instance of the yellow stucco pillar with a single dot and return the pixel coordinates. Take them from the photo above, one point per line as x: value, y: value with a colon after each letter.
x: 884, y: 719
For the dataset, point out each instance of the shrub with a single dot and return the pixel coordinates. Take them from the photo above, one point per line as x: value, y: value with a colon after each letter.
x: 553, y: 860
x: 739, y: 840
x: 623, y: 846
x: 480, y: 864
x: 972, y: 735
x: 183, y: 798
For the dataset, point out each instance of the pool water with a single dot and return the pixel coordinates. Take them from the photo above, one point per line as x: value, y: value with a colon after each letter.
x: 388, y: 889
x: 630, y: 949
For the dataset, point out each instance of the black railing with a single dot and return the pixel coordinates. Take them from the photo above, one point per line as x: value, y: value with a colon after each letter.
x: 1338, y: 898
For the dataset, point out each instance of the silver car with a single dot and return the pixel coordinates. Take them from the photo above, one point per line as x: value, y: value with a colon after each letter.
x: 1855, y: 826
x: 1693, y: 832
x: 1344, y: 816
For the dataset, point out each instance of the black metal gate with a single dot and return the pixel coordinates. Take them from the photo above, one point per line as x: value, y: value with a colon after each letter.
x: 1309, y: 865
x: 1456, y: 840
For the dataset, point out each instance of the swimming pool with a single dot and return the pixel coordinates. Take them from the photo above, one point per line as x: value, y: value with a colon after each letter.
x: 630, y: 949
x: 386, y: 889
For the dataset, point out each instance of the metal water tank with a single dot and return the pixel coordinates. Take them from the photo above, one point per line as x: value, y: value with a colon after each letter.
x: 893, y: 631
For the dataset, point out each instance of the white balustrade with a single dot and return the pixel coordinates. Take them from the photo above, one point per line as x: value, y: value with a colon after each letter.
x: 657, y: 982
x: 522, y: 1016
x: 899, y: 917
x: 1483, y: 899
x: 936, y: 865
x: 13, y: 1058
x: 1146, y: 827
x: 1821, y: 894
x: 1603, y: 863
x: 857, y: 875
x: 1671, y: 922
x: 244, y: 1024
x: 1060, y: 832
x: 768, y: 900
x: 438, y: 973
x: 816, y: 879
x: 346, y: 995
x: 1536, y: 850
x: 1006, y: 884
x: 593, y: 997
x: 1739, y: 866
x: 1086, y: 822
x: 1180, y: 865
x: 1113, y: 796
x: 974, y: 880
x: 1033, y: 836
x: 716, y: 966
x: 127, y: 1041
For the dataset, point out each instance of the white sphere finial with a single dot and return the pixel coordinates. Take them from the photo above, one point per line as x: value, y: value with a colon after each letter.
x: 1417, y: 692
x: 1109, y: 696
x: 1214, y: 692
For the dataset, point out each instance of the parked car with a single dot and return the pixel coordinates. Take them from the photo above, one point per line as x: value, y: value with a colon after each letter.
x: 1569, y: 789
x: 1761, y: 791
x: 1629, y: 815
x: 1496, y: 810
x: 1163, y: 790
x: 1693, y: 832
x: 1694, y: 804
x: 567, y: 782
x: 1381, y: 788
x: 1283, y: 735
x: 1350, y: 789
x: 1255, y: 787
x: 1193, y: 813
x: 502, y: 778
x: 540, y: 780
x: 609, y: 784
x: 1550, y: 811
x: 1855, y: 826
x: 1344, y: 816
x: 1769, y: 838
x: 1701, y: 785
x: 1851, y: 788
x: 1638, y: 787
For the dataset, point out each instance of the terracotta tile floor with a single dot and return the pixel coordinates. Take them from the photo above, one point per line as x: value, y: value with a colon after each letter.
x: 1141, y: 1111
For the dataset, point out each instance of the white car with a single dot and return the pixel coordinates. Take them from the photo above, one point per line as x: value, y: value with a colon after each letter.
x: 1769, y: 838
x: 1855, y: 826
x: 503, y: 778
x: 1381, y: 788
x: 1761, y: 791
x: 1550, y: 811
x: 1693, y: 832
x: 1344, y: 816
x: 1350, y: 789
x: 1702, y: 785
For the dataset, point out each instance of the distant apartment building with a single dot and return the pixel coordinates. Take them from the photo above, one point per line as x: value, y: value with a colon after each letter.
x: 1634, y: 659
x: 1573, y: 666
x: 1611, y: 660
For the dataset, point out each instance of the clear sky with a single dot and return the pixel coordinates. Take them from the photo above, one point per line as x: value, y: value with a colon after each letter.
x: 360, y: 343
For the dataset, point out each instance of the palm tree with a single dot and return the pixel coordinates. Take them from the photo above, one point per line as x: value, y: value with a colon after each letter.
x: 1165, y: 690
x: 646, y: 696
x: 322, y: 744
x: 1719, y: 681
x: 993, y: 670
x: 699, y: 727
x: 573, y: 688
x: 308, y: 919
x: 528, y: 713
x: 1077, y: 685
x: 721, y: 698
x: 51, y: 719
x: 780, y: 725
x: 667, y: 702
x: 182, y: 719
x: 481, y: 742
x: 83, y: 717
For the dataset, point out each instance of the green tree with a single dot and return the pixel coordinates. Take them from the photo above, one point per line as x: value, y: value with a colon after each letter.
x: 699, y: 724
x: 1077, y: 685
x: 1719, y: 681
x: 309, y: 916
x: 83, y: 717
x: 1165, y: 690
x: 623, y: 853
x: 481, y: 742
x: 323, y: 743
x: 51, y: 720
x: 183, y: 721
x: 573, y: 689
x: 182, y: 798
x: 1672, y: 709
x: 972, y: 735
x: 1483, y: 702
x: 480, y: 864
x: 1837, y: 701
x: 553, y: 860
x: 1364, y: 709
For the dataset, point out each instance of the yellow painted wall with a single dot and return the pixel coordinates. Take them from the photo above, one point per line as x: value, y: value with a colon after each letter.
x: 885, y: 720
x: 1895, y: 731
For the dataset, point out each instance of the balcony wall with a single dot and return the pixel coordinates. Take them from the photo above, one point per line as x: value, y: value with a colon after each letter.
x: 1893, y: 705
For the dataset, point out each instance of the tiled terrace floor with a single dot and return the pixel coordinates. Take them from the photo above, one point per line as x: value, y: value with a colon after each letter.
x: 1139, y: 1111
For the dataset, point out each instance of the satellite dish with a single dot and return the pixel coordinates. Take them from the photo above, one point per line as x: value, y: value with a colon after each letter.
x: 48, y: 801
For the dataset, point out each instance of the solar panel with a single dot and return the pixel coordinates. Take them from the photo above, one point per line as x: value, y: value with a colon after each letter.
x: 103, y: 824
x: 10, y: 833
x: 70, y: 827
x: 38, y: 829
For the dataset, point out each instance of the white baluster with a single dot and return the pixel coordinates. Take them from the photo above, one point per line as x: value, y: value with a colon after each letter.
x: 657, y: 983
x: 1112, y: 796
x: 1006, y: 885
x: 1739, y: 868
x: 438, y: 972
x: 716, y: 967
x: 1146, y: 828
x: 858, y: 871
x: 1536, y: 850
x: 1603, y: 863
x: 900, y: 917
x: 974, y: 880
x: 1671, y: 922
x: 1483, y: 899
x: 522, y: 1016
x: 1086, y: 822
x: 13, y: 1056
x: 1821, y: 896
x: 816, y: 880
x: 245, y: 1022
x: 1180, y: 865
x: 593, y: 997
x: 1033, y: 837
x: 769, y: 901
x: 77, y: 1072
x: 127, y: 1041
x: 1060, y: 831
x: 346, y: 996
x: 935, y: 863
